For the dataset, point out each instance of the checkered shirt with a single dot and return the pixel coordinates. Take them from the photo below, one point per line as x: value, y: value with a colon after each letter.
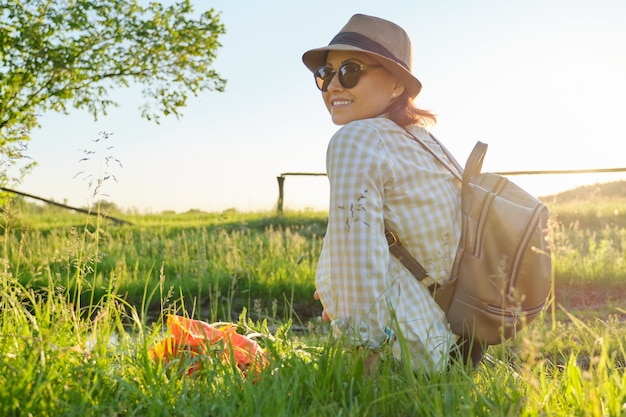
x: 380, y: 176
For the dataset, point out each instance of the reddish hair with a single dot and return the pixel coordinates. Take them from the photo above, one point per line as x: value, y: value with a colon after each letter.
x: 404, y: 112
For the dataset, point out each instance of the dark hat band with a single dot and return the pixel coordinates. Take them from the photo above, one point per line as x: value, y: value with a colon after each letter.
x: 363, y: 42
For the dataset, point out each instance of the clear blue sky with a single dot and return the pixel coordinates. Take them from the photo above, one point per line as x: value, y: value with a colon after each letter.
x: 542, y: 82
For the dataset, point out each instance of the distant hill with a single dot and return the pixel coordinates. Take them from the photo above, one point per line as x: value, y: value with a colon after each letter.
x: 615, y: 189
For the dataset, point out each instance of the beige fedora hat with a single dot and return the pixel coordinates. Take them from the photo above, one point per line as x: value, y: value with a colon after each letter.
x: 387, y: 42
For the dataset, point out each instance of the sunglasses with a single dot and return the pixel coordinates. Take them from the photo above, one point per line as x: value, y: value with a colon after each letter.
x: 349, y: 74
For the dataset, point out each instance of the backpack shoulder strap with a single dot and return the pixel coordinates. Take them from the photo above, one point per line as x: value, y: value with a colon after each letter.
x: 399, y: 251
x: 395, y: 246
x: 449, y: 155
x: 457, y: 171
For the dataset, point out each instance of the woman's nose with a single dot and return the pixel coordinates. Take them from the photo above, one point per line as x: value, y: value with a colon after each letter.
x: 334, y: 83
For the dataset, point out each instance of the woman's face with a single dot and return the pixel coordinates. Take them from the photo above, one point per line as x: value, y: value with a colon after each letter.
x: 370, y: 97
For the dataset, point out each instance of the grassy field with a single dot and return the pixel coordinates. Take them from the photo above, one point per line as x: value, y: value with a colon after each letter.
x: 84, y: 298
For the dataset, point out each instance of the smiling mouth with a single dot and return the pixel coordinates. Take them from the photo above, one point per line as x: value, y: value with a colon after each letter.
x: 341, y: 103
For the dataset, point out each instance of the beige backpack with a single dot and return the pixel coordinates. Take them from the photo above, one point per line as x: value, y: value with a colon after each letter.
x: 501, y: 276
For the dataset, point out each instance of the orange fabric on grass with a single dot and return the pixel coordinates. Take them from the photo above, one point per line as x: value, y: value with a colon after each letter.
x: 195, y: 337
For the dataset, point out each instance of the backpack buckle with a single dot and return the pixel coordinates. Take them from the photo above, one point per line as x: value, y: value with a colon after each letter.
x: 392, y: 239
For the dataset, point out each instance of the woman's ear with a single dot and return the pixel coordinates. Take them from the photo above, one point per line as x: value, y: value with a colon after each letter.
x: 398, y: 89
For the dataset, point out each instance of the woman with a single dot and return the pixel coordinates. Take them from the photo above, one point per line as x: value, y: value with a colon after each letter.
x: 380, y: 177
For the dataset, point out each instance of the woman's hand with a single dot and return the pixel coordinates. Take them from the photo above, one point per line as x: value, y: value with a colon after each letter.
x: 325, y: 317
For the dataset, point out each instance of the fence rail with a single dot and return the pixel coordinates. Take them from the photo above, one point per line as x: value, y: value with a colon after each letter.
x: 281, y: 178
x: 65, y: 206
x: 281, y: 183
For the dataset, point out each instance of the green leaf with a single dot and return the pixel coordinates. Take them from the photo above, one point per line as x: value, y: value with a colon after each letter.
x: 58, y: 54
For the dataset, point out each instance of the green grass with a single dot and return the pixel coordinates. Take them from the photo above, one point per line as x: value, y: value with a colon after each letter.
x: 56, y: 364
x: 83, y: 299
x: 244, y: 259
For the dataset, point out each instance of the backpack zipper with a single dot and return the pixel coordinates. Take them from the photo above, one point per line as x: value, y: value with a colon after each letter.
x: 513, y: 314
x: 486, y: 207
x: 529, y: 229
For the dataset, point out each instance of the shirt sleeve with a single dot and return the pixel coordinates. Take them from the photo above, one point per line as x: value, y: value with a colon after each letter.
x: 351, y: 277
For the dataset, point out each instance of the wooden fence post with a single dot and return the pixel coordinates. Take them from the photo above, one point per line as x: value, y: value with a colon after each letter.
x: 281, y: 182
